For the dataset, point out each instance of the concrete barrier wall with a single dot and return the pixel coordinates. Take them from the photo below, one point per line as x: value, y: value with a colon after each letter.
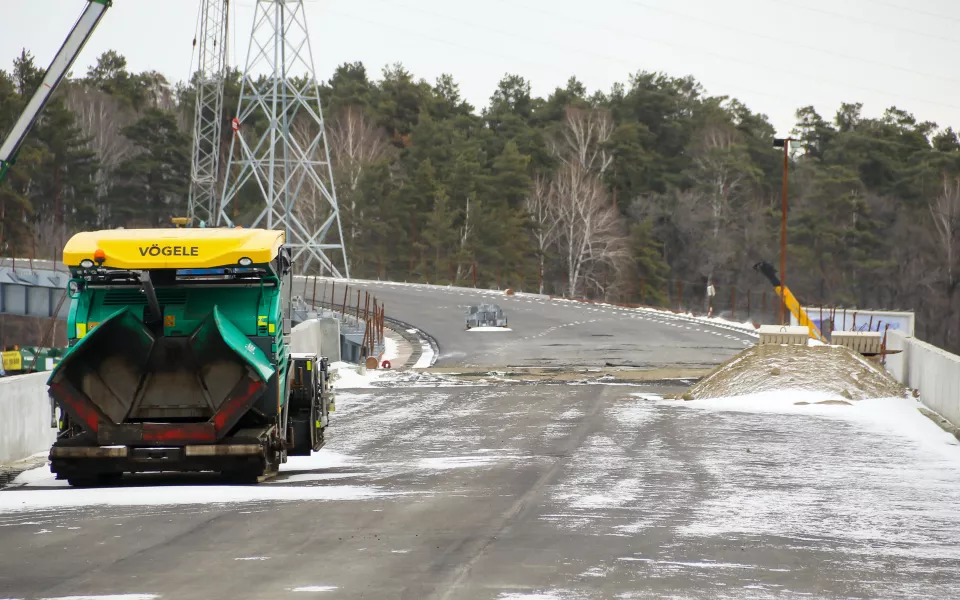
x: 320, y: 335
x: 24, y: 417
x: 931, y: 370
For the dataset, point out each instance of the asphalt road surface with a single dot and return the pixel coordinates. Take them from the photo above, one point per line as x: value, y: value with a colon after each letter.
x: 432, y: 489
x: 513, y: 492
x: 547, y: 332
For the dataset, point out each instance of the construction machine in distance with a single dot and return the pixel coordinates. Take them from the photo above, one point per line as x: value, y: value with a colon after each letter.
x: 485, y: 315
x: 788, y: 299
x: 179, y: 359
x: 29, y: 359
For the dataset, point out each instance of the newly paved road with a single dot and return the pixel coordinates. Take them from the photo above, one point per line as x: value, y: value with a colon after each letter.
x: 548, y: 332
x: 548, y: 492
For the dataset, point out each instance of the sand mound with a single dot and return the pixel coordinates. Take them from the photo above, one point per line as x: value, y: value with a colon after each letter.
x: 829, y: 369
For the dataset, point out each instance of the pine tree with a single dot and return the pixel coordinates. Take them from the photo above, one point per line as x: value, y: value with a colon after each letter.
x: 151, y: 187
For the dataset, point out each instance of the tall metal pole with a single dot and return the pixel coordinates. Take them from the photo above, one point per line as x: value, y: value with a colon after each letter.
x: 208, y: 111
x: 783, y: 231
x: 785, y: 144
x: 288, y: 163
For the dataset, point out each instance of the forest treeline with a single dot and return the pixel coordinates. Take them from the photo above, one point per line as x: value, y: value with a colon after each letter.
x: 620, y: 195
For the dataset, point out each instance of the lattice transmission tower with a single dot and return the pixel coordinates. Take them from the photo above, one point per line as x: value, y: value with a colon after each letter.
x: 208, y: 112
x: 279, y: 142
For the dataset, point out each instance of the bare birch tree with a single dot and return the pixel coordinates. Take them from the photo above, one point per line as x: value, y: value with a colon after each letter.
x: 722, y: 169
x: 582, y: 138
x: 101, y: 118
x: 541, y: 209
x: 355, y: 141
x: 590, y: 229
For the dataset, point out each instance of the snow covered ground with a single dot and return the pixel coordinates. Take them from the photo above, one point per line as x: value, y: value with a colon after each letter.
x: 389, y: 348
x: 585, y: 493
x: 488, y: 329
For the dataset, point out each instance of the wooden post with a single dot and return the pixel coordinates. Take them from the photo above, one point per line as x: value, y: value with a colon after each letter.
x: 358, y: 306
x: 870, y: 327
x: 343, y: 310
x: 314, y: 303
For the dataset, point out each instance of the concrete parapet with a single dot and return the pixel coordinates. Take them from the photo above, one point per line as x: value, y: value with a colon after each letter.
x: 784, y: 334
x: 320, y: 335
x: 24, y: 417
x: 864, y: 342
x: 931, y: 370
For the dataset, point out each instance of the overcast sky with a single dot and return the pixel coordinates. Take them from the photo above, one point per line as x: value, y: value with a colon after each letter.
x: 774, y: 55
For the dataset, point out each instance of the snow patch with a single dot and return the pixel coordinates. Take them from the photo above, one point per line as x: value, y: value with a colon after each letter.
x: 33, y: 475
x: 324, y: 459
x: 390, y: 348
x: 108, y: 597
x: 315, y: 588
x: 426, y: 359
x: 487, y: 329
x: 348, y: 376
x: 26, y: 499
x: 456, y: 462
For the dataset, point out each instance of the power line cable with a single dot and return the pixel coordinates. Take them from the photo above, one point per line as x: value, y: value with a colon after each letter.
x: 793, y: 44
x: 923, y: 34
x: 515, y: 58
x: 914, y: 10
x: 774, y: 68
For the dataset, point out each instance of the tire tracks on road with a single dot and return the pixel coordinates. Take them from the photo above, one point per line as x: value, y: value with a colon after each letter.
x: 524, y: 505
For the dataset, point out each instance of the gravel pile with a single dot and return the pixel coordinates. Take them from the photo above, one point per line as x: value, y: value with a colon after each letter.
x: 767, y: 368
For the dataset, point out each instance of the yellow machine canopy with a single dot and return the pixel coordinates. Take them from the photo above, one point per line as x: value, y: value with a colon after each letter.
x: 173, y: 248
